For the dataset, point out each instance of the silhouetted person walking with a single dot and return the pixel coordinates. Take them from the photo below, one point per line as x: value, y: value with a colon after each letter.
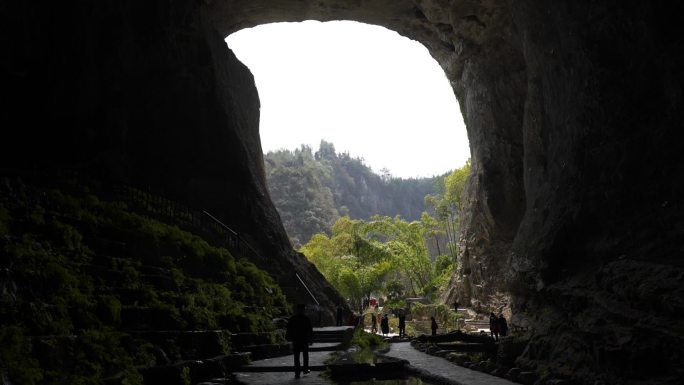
x: 300, y: 332
x: 340, y: 316
x: 374, y: 324
x: 494, y: 326
x: 402, y: 325
x: 503, y: 326
x: 433, y: 326
x: 384, y: 325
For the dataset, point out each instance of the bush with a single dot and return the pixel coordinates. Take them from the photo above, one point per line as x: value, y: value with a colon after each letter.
x: 15, y: 356
x: 367, y: 340
x: 76, y: 263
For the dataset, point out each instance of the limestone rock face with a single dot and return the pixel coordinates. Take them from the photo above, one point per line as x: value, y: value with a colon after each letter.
x: 573, y: 112
x: 148, y: 94
x: 604, y: 215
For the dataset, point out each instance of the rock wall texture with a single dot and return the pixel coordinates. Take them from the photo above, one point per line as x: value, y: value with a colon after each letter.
x: 597, y: 258
x: 572, y: 109
x: 145, y: 93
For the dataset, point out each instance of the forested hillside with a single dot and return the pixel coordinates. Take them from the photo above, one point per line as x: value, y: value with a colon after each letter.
x: 313, y: 189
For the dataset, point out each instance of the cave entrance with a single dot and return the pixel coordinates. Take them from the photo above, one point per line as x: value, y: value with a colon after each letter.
x: 364, y: 88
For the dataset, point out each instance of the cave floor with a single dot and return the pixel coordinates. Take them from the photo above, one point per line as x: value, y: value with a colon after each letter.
x: 430, y: 367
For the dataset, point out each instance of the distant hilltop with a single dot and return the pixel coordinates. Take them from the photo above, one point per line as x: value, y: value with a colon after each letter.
x: 311, y: 190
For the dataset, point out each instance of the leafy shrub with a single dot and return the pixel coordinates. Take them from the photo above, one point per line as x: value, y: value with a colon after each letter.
x: 80, y: 262
x: 109, y: 309
x: 15, y: 356
x: 367, y: 340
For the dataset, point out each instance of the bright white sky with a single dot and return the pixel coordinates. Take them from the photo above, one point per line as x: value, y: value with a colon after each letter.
x: 364, y: 88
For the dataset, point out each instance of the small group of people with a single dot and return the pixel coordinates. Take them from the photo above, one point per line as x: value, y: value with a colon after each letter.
x: 300, y: 332
x: 384, y: 324
x: 498, y: 326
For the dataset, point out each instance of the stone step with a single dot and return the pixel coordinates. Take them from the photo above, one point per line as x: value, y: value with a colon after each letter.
x: 278, y: 368
x: 340, y: 335
x: 248, y: 339
x: 333, y: 330
x: 327, y: 339
x: 332, y: 333
x: 260, y: 352
x: 326, y: 346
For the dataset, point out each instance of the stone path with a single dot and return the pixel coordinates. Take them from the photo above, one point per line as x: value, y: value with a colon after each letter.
x: 441, y: 369
x: 286, y: 376
x: 430, y: 367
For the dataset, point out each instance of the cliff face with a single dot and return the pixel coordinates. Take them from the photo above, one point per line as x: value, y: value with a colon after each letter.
x: 572, y: 111
x: 146, y: 93
x: 597, y: 258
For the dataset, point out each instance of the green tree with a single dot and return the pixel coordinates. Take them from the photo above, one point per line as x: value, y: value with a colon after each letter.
x: 311, y: 191
x: 362, y: 256
x: 448, y: 207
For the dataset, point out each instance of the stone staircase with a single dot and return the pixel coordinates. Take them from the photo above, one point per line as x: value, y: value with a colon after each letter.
x: 336, y: 336
x: 179, y: 354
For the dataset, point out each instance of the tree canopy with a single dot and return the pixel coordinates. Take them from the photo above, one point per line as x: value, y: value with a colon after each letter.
x: 368, y: 234
x: 312, y: 190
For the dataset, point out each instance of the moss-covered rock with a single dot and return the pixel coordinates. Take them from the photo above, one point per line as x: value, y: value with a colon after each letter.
x: 83, y: 278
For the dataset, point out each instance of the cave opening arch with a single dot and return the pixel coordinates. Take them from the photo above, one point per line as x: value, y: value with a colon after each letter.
x: 477, y: 48
x: 367, y: 90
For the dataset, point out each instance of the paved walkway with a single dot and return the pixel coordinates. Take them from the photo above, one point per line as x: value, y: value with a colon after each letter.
x: 430, y: 367
x: 441, y: 369
x: 286, y: 376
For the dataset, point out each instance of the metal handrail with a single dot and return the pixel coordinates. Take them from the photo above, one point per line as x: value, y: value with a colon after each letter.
x: 220, y: 223
x: 307, y: 289
x: 255, y: 252
x: 233, y: 232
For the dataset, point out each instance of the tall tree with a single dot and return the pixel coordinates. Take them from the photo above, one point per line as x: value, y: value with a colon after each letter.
x: 448, y: 206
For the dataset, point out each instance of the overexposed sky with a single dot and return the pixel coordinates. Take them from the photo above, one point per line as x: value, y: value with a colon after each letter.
x: 364, y: 88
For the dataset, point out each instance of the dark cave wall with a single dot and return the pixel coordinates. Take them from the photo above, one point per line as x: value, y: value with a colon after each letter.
x: 603, y: 108
x: 145, y: 93
x: 597, y: 260
x: 573, y: 206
